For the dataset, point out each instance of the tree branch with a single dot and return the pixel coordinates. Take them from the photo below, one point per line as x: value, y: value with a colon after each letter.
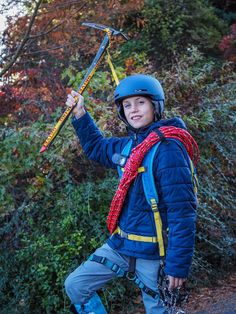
x: 50, y: 49
x: 25, y: 39
x: 32, y: 38
x: 46, y: 32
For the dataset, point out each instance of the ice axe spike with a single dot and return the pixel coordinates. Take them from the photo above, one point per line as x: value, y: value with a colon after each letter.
x: 92, y: 69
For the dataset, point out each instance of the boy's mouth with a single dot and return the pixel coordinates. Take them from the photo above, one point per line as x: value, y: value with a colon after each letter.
x: 136, y: 118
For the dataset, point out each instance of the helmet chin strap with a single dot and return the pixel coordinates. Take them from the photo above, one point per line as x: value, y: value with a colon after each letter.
x: 157, y: 110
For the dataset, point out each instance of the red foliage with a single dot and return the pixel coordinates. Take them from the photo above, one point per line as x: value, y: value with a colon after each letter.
x: 31, y: 94
x: 228, y: 44
x: 60, y: 22
x: 9, y: 99
x: 33, y: 86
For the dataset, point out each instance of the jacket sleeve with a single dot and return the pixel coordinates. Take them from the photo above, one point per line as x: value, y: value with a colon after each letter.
x: 95, y: 146
x: 178, y: 203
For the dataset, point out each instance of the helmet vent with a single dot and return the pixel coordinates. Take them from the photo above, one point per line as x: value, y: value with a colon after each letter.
x: 140, y: 90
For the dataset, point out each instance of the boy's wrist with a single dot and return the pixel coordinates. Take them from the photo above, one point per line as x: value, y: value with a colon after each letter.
x: 80, y: 114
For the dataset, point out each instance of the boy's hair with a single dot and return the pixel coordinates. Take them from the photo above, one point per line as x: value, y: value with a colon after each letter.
x: 140, y: 85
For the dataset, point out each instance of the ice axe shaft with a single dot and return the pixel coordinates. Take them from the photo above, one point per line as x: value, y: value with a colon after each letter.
x: 92, y: 69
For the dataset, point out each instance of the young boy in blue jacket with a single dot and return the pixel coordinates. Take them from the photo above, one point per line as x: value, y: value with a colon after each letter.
x: 140, y: 104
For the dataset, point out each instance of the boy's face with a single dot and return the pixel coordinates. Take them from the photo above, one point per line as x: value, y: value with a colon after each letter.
x: 139, y: 111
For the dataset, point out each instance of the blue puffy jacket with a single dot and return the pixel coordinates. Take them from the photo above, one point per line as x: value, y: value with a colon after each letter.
x: 177, y: 200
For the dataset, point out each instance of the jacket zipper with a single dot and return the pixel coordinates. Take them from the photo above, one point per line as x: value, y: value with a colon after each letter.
x: 135, y: 144
x: 135, y: 139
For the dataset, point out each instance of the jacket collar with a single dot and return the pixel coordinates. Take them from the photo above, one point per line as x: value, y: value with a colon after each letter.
x: 138, y: 135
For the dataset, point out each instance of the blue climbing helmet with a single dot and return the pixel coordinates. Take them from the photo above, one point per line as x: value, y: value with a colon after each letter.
x: 143, y: 85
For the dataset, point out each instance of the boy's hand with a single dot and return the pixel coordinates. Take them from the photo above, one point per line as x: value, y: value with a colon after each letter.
x: 175, y: 282
x: 76, y: 100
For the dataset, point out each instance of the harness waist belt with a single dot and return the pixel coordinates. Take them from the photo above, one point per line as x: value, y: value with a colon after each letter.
x: 135, y: 237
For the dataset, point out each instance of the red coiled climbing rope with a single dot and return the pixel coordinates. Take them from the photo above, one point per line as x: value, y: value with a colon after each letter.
x: 135, y: 160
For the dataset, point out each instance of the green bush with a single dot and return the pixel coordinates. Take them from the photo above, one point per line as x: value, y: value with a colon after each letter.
x: 52, y: 235
x: 170, y: 26
x: 54, y: 209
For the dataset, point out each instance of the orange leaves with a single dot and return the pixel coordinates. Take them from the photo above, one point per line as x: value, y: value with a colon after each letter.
x: 140, y: 22
x: 45, y: 93
x: 129, y: 65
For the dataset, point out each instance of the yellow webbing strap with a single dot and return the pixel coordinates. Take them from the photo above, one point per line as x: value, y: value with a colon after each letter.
x: 135, y: 237
x: 140, y: 169
x: 112, y: 68
x: 194, y: 177
x: 158, y: 223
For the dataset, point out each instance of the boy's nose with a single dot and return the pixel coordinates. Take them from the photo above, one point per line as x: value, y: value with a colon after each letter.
x: 134, y: 108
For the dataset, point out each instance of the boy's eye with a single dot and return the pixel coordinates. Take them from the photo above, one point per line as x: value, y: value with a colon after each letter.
x: 126, y: 106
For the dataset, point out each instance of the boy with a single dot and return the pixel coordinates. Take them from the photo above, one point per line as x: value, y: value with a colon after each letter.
x: 134, y: 245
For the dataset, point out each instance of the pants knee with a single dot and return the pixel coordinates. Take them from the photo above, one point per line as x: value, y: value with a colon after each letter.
x: 68, y: 284
x: 76, y: 290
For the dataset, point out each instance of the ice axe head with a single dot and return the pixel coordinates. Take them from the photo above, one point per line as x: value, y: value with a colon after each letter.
x: 105, y: 29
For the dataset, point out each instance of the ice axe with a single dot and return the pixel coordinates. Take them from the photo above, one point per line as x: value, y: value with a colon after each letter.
x: 110, y: 32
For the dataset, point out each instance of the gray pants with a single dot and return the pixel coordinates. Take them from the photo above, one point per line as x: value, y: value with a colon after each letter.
x: 90, y: 276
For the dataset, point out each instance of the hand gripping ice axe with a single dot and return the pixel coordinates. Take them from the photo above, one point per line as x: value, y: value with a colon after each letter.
x: 110, y: 32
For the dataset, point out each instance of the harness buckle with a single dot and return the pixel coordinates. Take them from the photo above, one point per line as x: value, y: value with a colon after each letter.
x: 118, y: 270
x: 103, y: 260
x: 123, y: 234
x: 131, y: 276
x: 152, y: 293
x: 115, y: 268
x: 119, y: 159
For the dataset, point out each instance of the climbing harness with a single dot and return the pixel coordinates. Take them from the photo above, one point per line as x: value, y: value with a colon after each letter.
x: 174, y: 300
x: 130, y: 275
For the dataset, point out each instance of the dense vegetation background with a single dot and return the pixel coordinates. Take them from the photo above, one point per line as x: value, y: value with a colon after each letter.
x: 53, y: 206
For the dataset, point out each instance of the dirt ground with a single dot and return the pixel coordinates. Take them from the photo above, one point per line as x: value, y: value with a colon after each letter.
x: 220, y: 299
